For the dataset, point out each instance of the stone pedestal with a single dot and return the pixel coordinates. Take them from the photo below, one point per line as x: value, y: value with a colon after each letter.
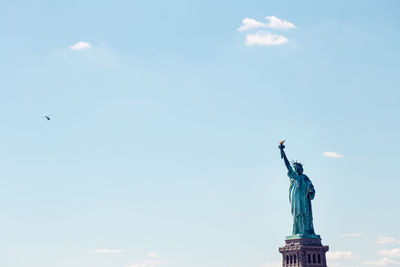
x: 304, y: 252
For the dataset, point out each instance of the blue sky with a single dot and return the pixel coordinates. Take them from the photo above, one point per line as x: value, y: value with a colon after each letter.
x: 162, y: 148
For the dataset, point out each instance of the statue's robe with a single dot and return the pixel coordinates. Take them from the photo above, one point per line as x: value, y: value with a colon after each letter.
x: 301, y: 192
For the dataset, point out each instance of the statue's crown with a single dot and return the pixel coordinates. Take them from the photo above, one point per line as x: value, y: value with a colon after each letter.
x: 297, y: 163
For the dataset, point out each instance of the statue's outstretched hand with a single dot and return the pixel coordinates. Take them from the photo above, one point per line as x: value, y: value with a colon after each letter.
x: 281, y: 147
x: 281, y: 144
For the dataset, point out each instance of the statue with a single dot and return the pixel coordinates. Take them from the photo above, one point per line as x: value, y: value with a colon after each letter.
x: 301, y: 192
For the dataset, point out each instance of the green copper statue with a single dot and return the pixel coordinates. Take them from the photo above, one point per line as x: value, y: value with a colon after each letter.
x: 301, y: 192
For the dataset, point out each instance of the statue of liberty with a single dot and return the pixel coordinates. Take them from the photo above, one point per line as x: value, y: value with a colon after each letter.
x: 301, y: 192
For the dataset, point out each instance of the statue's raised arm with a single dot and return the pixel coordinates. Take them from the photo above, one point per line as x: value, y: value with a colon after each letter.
x: 283, y: 156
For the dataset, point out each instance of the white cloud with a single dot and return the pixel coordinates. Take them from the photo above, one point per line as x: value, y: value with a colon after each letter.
x: 106, y: 250
x: 390, y: 253
x: 340, y: 255
x: 265, y: 38
x: 331, y: 154
x: 273, y: 23
x: 385, y: 240
x: 382, y: 262
x: 80, y: 46
x: 277, y: 23
x: 248, y: 23
x: 147, y: 263
x: 352, y: 235
x: 272, y: 264
x: 152, y: 255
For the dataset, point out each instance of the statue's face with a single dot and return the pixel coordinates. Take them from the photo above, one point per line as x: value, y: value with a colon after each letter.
x: 298, y: 169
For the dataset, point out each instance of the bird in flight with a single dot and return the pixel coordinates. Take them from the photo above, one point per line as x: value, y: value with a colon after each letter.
x: 47, y: 118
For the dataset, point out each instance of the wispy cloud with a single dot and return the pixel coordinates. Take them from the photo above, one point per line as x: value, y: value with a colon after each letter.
x: 352, y: 235
x: 248, y: 23
x: 390, y: 252
x: 340, y: 255
x: 152, y: 255
x: 106, y: 250
x: 331, y: 154
x: 265, y: 38
x: 382, y: 262
x: 80, y: 46
x: 147, y: 263
x: 277, y: 23
x: 272, y: 264
x: 385, y: 240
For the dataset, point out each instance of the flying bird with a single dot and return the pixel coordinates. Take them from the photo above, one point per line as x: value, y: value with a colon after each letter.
x: 47, y: 118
